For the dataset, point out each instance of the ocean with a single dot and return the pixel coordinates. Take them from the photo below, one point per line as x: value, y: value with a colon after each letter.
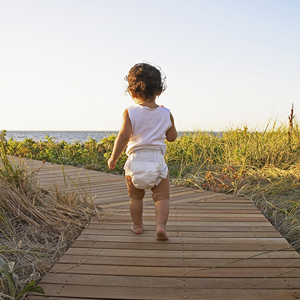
x: 68, y: 136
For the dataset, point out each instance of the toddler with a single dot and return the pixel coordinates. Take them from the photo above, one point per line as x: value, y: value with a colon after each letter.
x: 145, y: 127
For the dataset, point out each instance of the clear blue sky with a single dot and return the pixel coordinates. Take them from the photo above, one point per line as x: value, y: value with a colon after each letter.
x: 227, y: 62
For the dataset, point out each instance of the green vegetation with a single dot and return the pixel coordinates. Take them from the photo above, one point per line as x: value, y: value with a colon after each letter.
x: 36, y: 227
x: 90, y: 155
x: 7, y: 270
x: 263, y: 166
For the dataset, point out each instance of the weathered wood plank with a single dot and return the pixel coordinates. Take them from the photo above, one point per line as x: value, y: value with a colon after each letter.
x: 118, y: 218
x: 188, y: 228
x: 102, y: 292
x: 172, y: 233
x: 222, y: 272
x: 175, y: 247
x: 288, y: 254
x: 170, y: 282
x: 180, y: 262
x: 186, y: 240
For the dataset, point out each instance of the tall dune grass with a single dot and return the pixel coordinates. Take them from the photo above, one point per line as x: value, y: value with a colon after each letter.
x: 264, y: 166
x: 234, y: 151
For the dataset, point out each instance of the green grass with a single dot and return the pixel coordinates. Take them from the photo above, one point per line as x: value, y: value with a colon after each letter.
x: 263, y: 166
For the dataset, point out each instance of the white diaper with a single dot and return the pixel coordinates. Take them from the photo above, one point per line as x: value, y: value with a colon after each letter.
x: 146, y: 167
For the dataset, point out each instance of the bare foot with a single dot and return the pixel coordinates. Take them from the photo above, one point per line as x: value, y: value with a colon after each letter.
x: 161, y: 234
x: 137, y: 229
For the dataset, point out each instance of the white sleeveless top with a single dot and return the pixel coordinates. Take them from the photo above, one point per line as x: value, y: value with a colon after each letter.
x: 149, y: 127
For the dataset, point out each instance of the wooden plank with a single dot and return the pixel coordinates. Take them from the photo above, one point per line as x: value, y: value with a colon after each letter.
x: 197, y: 212
x: 187, y: 240
x: 101, y: 198
x: 221, y: 272
x: 183, y: 224
x: 212, y: 207
x: 202, y: 234
x: 99, y: 292
x: 186, y: 228
x: 203, y: 196
x: 116, y: 218
x: 125, y: 195
x: 288, y: 254
x: 180, y: 262
x: 123, y: 192
x: 196, y: 200
x: 196, y: 216
x: 77, y: 173
x: 168, y: 293
x: 85, y: 179
x: 60, y: 182
x: 153, y: 245
x: 169, y: 282
x: 212, y: 223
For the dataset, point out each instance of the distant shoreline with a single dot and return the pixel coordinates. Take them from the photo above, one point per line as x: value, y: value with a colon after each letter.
x: 68, y: 136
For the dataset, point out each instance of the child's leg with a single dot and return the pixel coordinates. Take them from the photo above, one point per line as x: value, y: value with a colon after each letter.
x: 161, y: 198
x: 135, y: 205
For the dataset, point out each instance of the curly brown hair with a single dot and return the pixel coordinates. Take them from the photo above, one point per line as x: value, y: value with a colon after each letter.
x: 145, y: 82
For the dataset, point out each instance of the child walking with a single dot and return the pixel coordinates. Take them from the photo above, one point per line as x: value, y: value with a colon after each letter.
x: 145, y: 127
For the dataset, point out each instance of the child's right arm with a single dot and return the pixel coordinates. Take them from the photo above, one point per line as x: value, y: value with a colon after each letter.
x: 121, y: 140
x: 171, y: 134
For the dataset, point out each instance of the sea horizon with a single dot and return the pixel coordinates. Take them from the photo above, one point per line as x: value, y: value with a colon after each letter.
x: 69, y: 136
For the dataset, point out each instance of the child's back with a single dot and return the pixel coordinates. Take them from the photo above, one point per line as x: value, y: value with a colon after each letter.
x: 149, y: 127
x: 145, y: 127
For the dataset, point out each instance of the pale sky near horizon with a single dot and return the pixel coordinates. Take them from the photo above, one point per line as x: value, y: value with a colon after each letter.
x: 228, y: 63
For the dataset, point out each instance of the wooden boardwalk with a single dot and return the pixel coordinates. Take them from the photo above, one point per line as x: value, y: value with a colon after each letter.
x: 221, y: 247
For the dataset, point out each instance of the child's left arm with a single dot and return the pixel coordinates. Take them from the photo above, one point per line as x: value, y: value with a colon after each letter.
x: 121, y: 140
x: 171, y: 134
